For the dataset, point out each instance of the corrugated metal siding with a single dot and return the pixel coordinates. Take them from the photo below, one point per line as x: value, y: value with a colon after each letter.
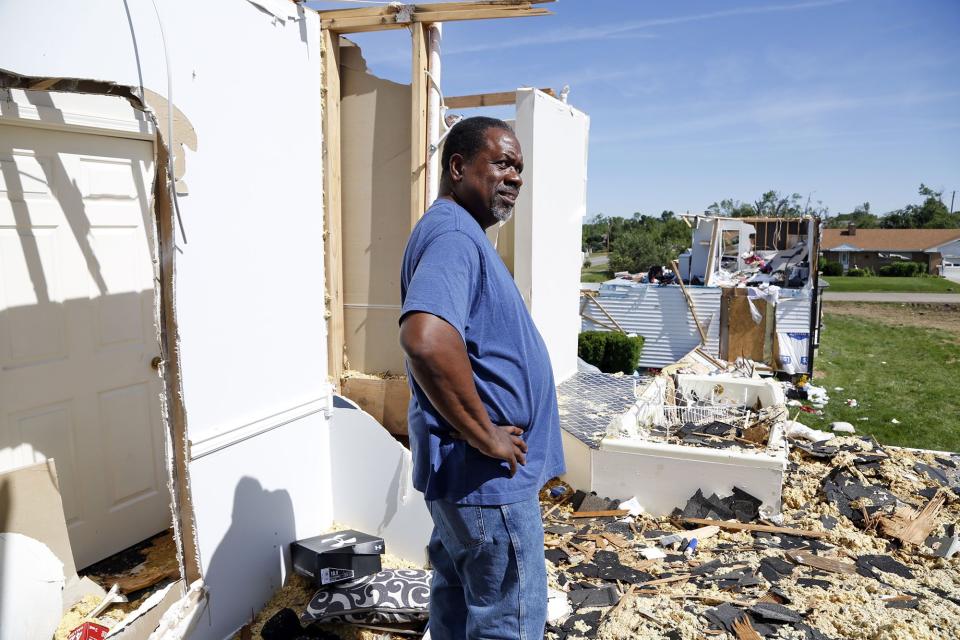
x: 661, y: 316
x: 793, y: 314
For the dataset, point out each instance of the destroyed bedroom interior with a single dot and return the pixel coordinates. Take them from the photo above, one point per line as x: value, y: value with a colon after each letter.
x: 203, y: 401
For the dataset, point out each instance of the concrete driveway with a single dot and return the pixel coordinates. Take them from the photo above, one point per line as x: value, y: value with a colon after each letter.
x: 892, y: 296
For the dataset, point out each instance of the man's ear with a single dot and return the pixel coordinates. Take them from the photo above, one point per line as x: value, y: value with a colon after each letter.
x: 456, y: 167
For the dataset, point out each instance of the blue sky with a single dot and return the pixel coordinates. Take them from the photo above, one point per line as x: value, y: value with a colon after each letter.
x: 692, y: 102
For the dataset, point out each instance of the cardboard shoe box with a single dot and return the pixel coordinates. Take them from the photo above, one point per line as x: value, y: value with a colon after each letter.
x: 337, y: 557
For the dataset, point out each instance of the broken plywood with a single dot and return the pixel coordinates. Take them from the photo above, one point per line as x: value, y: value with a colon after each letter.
x: 746, y: 338
x: 386, y: 399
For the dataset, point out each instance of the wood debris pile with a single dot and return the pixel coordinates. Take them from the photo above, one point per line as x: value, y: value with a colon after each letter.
x: 866, y: 547
x: 138, y: 571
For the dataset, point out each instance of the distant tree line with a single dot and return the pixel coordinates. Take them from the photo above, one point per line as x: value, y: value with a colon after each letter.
x: 638, y: 243
x: 932, y: 213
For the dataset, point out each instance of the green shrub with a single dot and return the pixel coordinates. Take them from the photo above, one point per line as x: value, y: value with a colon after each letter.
x: 587, y: 263
x: 609, y: 351
x: 903, y: 269
x: 590, y: 346
x: 856, y: 273
x: 832, y: 269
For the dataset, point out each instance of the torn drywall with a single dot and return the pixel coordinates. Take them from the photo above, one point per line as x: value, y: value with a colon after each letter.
x: 30, y: 505
x: 31, y: 582
x: 184, y: 135
x: 376, y: 496
x: 172, y: 415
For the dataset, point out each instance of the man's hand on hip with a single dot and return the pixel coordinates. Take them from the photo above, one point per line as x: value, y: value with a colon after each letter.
x: 502, y: 443
x: 439, y: 363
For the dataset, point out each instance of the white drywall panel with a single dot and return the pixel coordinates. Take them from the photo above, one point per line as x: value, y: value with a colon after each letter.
x: 250, y: 279
x: 250, y: 303
x: 663, y: 477
x: 548, y: 218
x: 372, y: 483
x: 252, y: 499
x: 700, y: 246
x: 30, y: 584
x: 579, y: 458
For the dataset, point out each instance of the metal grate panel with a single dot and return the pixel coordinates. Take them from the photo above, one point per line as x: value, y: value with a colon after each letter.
x: 590, y: 401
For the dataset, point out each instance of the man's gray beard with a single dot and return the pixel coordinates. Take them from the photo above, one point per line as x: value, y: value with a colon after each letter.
x: 502, y: 213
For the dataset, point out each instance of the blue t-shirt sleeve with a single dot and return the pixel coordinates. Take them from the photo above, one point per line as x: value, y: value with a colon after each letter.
x: 445, y: 280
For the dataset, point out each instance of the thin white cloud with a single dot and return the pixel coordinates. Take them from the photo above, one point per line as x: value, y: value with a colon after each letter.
x: 788, y: 111
x: 623, y: 30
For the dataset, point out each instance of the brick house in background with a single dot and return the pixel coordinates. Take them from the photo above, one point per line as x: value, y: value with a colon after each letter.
x: 939, y: 249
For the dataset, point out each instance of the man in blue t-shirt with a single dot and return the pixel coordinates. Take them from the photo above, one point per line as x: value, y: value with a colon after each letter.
x: 483, y: 420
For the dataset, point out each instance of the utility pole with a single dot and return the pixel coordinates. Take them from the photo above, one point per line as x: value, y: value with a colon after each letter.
x: 952, y: 194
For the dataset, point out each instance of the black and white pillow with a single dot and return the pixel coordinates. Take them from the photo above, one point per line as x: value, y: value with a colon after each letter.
x: 389, y: 597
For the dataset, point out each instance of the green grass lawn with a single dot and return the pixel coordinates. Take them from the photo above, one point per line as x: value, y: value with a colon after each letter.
x: 596, y: 273
x: 905, y: 373
x: 876, y: 283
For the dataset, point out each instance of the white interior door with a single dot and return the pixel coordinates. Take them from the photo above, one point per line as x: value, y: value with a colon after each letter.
x: 76, y: 330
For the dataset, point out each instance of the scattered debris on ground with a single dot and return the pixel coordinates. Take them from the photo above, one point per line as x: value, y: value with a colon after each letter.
x: 297, y: 593
x: 866, y: 547
x: 138, y: 572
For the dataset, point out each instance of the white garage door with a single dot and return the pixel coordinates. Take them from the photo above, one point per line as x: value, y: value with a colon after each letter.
x: 951, y: 267
x: 76, y: 330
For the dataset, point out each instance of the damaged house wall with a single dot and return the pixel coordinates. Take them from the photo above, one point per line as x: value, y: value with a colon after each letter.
x: 249, y: 283
x: 547, y: 222
x: 375, y: 169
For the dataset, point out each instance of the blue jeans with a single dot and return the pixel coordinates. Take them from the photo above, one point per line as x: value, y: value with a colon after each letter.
x: 489, y: 574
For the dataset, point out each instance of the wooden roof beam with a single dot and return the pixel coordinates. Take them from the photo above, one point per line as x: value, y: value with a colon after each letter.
x: 487, y: 99
x: 384, y: 10
x: 384, y: 18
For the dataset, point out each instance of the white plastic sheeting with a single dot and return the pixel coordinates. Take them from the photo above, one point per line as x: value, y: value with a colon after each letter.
x: 661, y: 316
x: 793, y: 329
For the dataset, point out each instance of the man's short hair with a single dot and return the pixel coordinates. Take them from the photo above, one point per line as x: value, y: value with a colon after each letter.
x: 468, y: 137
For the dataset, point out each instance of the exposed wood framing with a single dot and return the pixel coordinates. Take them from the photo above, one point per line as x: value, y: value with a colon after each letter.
x: 333, y: 239
x: 420, y: 83
x: 487, y: 99
x: 396, y: 16
x: 693, y: 309
x: 593, y: 299
x: 184, y: 522
x: 400, y: 16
